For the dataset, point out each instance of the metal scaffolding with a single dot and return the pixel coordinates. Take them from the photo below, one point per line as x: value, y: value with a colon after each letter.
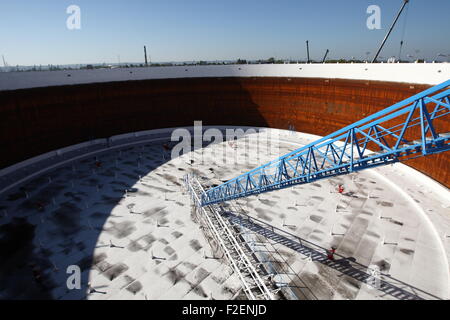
x: 240, y: 256
x: 400, y: 132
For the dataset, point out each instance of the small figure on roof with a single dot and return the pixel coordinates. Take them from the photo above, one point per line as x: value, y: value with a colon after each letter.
x: 341, y: 189
x: 98, y: 164
x: 232, y: 144
x: 37, y: 275
x: 40, y: 206
x: 330, y: 253
x: 166, y: 147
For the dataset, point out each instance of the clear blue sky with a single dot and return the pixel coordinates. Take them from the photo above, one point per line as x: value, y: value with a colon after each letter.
x: 34, y: 31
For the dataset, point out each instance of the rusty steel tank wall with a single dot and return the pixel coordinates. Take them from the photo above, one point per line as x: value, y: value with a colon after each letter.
x: 34, y: 121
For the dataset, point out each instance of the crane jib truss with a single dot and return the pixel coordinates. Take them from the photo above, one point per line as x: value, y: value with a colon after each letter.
x: 402, y: 131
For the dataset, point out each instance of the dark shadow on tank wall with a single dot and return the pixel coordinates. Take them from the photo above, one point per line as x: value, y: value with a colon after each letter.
x: 44, y: 119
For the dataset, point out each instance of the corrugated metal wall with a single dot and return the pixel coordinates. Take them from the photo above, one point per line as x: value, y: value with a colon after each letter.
x: 34, y: 121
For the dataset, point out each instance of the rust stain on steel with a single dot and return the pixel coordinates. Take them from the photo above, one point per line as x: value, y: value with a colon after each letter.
x: 34, y: 121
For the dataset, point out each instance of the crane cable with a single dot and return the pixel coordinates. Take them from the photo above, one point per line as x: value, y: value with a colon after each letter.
x: 403, y: 32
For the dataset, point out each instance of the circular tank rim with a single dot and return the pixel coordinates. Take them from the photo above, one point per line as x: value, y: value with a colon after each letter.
x: 412, y: 73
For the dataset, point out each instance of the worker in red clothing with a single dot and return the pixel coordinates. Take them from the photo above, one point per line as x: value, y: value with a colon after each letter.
x: 330, y: 253
x: 37, y: 274
x: 341, y: 189
x: 40, y: 206
x: 166, y: 150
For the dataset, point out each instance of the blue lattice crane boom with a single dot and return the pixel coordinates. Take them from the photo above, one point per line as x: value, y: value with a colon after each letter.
x: 400, y: 132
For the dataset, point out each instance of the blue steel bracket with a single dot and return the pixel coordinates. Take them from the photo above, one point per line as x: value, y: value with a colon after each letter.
x: 400, y: 132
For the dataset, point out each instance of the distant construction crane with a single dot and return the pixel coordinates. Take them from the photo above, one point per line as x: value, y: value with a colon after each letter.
x: 307, y: 50
x: 325, y: 56
x: 400, y: 132
x: 4, y: 62
x: 145, y: 55
x: 405, y: 2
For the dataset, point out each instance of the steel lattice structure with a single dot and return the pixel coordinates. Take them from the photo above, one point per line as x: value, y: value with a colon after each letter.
x: 246, y: 269
x: 400, y: 132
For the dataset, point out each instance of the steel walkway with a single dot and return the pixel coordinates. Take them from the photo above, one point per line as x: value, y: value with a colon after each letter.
x: 254, y: 279
x: 400, y: 132
x: 344, y: 265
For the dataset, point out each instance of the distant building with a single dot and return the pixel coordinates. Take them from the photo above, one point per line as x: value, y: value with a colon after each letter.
x: 392, y: 60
